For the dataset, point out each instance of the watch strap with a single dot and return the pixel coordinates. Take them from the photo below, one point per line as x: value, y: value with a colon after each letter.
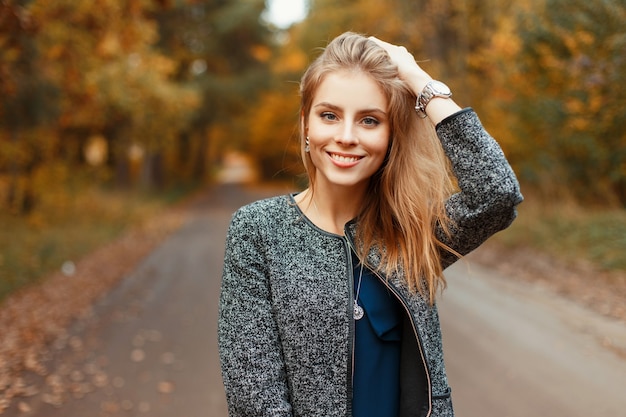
x: 429, y: 92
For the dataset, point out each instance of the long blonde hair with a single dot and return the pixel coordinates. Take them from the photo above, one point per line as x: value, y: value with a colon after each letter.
x: 405, y: 202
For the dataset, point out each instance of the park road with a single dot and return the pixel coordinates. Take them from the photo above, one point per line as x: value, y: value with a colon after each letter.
x: 150, y: 349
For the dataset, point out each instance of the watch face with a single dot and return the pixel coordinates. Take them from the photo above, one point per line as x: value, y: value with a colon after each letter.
x: 440, y: 88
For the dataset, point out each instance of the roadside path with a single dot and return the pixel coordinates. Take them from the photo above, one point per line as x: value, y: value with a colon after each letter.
x: 149, y: 349
x: 514, y: 349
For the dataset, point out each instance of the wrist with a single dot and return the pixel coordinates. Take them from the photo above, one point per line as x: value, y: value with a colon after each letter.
x: 432, y: 90
x: 439, y: 109
x: 417, y: 80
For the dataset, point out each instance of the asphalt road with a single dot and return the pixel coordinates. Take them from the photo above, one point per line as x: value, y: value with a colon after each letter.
x: 516, y: 350
x: 150, y: 347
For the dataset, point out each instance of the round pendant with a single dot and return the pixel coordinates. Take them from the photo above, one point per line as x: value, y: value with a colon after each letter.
x: 358, y: 311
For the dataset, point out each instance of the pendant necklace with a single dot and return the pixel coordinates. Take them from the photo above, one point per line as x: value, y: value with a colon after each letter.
x: 358, y: 310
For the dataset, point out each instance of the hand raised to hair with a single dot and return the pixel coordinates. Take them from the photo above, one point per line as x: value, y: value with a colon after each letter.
x: 416, y: 79
x: 408, y: 70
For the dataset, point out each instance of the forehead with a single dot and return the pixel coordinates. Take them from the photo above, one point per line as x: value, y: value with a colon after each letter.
x: 350, y: 90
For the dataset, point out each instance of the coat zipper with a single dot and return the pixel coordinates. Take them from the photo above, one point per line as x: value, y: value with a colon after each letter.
x: 404, y: 304
x: 408, y: 312
x: 350, y: 376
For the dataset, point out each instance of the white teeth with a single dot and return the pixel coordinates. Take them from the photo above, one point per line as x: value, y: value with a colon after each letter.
x: 342, y: 158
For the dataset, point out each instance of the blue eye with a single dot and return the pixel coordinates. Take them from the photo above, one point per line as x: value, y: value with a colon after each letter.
x: 328, y: 116
x: 370, y: 121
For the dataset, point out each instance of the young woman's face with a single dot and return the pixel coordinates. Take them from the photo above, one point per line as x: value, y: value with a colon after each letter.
x: 348, y: 130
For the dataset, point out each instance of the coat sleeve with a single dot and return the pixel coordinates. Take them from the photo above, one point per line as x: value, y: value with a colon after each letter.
x: 253, y: 370
x: 489, y: 191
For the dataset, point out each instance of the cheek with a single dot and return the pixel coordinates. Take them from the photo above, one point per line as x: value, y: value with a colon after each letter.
x: 382, y: 143
x: 320, y: 134
x: 314, y: 122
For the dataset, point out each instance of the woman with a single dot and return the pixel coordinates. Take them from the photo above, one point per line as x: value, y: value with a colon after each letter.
x: 328, y: 295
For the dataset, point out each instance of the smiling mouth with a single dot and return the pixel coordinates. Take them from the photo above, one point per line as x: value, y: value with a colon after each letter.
x: 344, y: 158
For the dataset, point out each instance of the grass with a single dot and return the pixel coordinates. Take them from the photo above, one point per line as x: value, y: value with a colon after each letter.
x: 35, y: 245
x: 571, y: 233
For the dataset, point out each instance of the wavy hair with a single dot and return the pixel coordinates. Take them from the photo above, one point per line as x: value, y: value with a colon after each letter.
x: 405, y: 201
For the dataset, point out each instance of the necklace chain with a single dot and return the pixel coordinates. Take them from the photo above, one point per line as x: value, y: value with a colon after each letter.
x: 358, y: 311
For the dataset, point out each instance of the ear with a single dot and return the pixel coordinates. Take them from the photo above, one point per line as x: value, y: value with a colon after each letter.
x: 303, y: 122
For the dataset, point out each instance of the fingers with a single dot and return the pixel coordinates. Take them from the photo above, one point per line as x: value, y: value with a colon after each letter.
x: 386, y: 45
x: 397, y: 53
x: 408, y: 68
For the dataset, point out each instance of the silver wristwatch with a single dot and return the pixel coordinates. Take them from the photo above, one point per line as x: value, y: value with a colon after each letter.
x: 431, y: 90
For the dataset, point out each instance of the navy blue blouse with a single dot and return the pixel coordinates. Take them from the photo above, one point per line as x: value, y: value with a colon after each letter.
x: 376, y: 378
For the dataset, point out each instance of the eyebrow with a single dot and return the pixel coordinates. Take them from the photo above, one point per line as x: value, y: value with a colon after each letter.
x: 334, y: 107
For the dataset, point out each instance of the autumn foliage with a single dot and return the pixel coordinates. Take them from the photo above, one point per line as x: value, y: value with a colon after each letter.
x: 118, y: 92
x: 147, y: 93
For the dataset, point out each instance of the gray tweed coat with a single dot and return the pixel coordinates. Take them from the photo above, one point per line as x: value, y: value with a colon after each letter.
x: 285, y: 326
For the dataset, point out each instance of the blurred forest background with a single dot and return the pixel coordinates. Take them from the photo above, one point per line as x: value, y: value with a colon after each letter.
x: 110, y: 110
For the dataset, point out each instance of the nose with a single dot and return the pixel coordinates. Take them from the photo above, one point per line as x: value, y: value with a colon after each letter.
x: 347, y: 135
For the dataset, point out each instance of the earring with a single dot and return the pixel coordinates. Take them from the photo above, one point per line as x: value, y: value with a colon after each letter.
x: 307, y: 148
